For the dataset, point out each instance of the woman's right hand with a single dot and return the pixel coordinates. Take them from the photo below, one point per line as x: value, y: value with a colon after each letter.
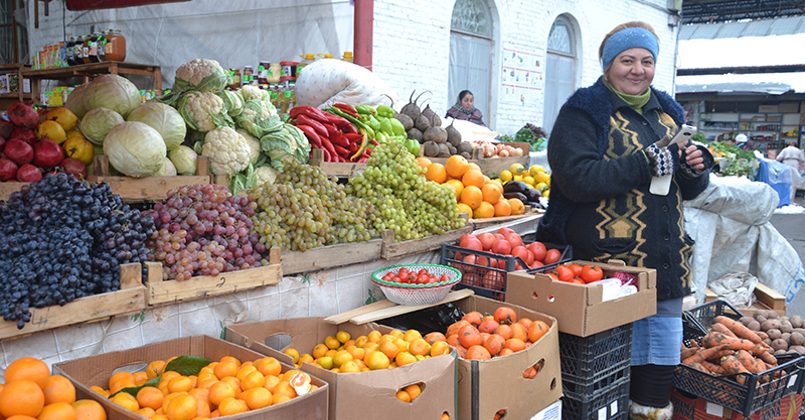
x: 660, y: 158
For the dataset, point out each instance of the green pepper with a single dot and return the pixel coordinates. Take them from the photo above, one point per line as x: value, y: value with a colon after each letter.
x: 412, y: 146
x: 373, y: 122
x: 359, y: 123
x: 385, y: 111
x: 386, y: 126
x: 397, y: 127
x: 381, y: 137
x: 365, y: 110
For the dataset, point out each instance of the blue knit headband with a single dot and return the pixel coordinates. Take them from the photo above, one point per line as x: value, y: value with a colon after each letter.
x: 629, y: 38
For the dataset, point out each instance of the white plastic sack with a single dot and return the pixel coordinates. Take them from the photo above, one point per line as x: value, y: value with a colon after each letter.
x: 736, y: 288
x: 470, y: 131
x: 325, y: 82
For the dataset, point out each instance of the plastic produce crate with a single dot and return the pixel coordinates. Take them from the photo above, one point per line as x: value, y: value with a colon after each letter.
x: 787, y: 378
x: 595, y: 363
x: 487, y: 277
x: 609, y: 403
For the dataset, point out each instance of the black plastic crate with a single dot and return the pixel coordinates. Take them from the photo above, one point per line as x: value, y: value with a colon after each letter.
x: 610, y: 403
x: 599, y: 382
x: 487, y: 275
x: 787, y: 378
x: 592, y: 358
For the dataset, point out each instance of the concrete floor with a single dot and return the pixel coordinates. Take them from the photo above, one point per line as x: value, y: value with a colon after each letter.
x: 792, y: 226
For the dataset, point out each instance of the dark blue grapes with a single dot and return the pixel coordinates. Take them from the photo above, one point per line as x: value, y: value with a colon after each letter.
x: 62, y: 239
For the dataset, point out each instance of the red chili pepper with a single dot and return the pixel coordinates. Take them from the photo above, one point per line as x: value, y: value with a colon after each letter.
x: 354, y: 137
x: 339, y: 139
x: 374, y: 142
x: 342, y: 151
x: 331, y: 129
x: 309, y: 111
x: 321, y: 130
x: 362, y: 147
x: 346, y: 108
x: 311, y: 135
x: 341, y: 123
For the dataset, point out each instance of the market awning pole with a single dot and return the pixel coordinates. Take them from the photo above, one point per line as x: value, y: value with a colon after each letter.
x: 364, y: 26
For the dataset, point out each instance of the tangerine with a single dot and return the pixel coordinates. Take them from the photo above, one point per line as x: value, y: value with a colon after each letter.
x: 377, y: 360
x: 181, y: 407
x: 224, y: 369
x: 253, y: 380
x: 492, y: 193
x: 456, y: 166
x: 28, y: 368
x: 503, y: 208
x: 230, y: 406
x: 484, y: 211
x: 180, y: 384
x: 117, y: 377
x: 59, y: 389
x: 57, y: 411
x: 151, y: 397
x: 22, y: 396
x: 219, y: 392
x: 436, y: 173
x: 456, y: 185
x: 473, y: 177
x: 472, y: 196
x: 257, y: 398
x: 89, y: 410
x: 463, y: 208
x: 127, y: 401
x: 403, y: 396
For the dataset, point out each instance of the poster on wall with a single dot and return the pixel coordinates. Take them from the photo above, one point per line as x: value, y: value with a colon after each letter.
x: 521, y: 76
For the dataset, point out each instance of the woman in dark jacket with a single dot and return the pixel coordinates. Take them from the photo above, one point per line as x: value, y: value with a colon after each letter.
x: 465, y: 109
x: 608, y: 141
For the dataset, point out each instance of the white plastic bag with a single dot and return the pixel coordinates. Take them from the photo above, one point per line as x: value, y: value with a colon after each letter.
x: 327, y: 81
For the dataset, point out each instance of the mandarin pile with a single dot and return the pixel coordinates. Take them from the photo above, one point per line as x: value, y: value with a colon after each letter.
x: 31, y: 392
x: 226, y: 387
x: 343, y: 354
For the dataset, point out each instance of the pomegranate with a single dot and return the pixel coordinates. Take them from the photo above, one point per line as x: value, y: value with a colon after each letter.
x: 25, y: 134
x: 8, y: 170
x: 47, y: 154
x: 28, y: 173
x: 5, y: 129
x: 75, y: 168
x: 22, y: 115
x: 18, y: 151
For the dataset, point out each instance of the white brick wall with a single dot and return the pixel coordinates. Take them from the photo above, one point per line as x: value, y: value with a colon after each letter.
x: 412, y: 45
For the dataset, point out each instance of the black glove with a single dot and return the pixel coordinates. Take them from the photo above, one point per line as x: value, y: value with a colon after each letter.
x: 689, y: 171
x: 660, y: 159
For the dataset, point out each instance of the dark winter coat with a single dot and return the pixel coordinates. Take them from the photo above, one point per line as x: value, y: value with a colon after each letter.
x: 600, y: 201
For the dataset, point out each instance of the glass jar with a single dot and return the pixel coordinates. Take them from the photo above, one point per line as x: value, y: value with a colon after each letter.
x: 262, y: 72
x: 234, y: 75
x: 248, y: 76
x: 274, y: 73
x: 115, y: 48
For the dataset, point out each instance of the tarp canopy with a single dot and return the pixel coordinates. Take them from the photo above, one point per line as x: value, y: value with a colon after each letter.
x: 236, y: 33
x: 762, y: 83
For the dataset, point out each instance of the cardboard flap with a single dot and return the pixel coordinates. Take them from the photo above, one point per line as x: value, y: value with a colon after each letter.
x: 615, y: 262
x: 550, y: 291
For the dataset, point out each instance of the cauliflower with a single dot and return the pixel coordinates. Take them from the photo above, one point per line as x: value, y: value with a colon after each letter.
x: 259, y: 118
x: 201, y: 74
x: 227, y: 151
x: 250, y: 93
x: 233, y: 102
x: 203, y: 111
x: 265, y: 175
x: 254, y: 145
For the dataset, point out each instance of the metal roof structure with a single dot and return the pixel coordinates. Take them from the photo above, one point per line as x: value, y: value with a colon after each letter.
x: 762, y: 27
x: 713, y: 11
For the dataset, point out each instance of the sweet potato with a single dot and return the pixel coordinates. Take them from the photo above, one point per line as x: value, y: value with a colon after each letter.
x: 739, y: 329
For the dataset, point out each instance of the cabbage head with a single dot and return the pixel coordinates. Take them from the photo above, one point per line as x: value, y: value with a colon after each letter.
x: 75, y: 100
x: 184, y: 160
x: 135, y: 149
x: 233, y: 102
x: 254, y: 145
x: 259, y: 118
x: 163, y: 118
x: 97, y: 123
x: 265, y: 175
x: 112, y: 91
x: 167, y: 169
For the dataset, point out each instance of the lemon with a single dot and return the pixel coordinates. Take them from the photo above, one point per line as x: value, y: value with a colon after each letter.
x: 518, y: 178
x: 516, y: 168
x: 505, y: 176
x: 542, y: 177
x: 541, y: 186
x: 535, y: 169
x: 528, y: 180
x: 546, y: 193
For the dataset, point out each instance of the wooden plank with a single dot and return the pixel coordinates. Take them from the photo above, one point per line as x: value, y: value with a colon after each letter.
x: 343, y: 317
x: 130, y: 299
x: 394, y: 249
x: 341, y: 169
x: 482, y: 223
x: 397, y: 310
x: 7, y: 188
x: 493, y: 166
x: 150, y: 188
x: 770, y: 297
x: 294, y: 262
x: 171, y: 291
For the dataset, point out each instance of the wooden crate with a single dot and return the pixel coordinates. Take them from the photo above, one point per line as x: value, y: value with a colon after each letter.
x: 490, y: 221
x: 152, y: 188
x: 171, y: 291
x: 7, y: 188
x: 765, y: 298
x: 492, y: 167
x: 331, y: 256
x: 342, y: 169
x: 393, y: 249
x: 129, y: 299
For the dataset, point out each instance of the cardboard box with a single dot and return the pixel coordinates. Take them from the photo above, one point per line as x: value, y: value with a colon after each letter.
x: 692, y: 408
x: 765, y: 298
x: 96, y: 370
x: 484, y: 387
x: 552, y: 412
x: 580, y: 309
x: 357, y: 395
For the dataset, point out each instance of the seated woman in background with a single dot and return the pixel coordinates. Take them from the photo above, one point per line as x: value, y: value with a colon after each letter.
x: 464, y: 109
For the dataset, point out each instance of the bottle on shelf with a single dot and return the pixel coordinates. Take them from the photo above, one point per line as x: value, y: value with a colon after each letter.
x: 69, y: 52
x: 115, y: 46
x: 347, y: 56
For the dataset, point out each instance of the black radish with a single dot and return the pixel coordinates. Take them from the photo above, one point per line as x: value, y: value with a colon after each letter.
x: 435, y: 134
x: 411, y: 108
x: 422, y: 123
x: 406, y: 121
x: 431, y: 149
x: 453, y: 135
x: 415, y: 134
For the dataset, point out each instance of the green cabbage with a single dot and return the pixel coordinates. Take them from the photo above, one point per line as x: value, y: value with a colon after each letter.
x: 97, y: 123
x: 135, y: 149
x: 184, y: 159
x: 167, y: 168
x: 114, y: 92
x: 233, y: 102
x: 259, y: 118
x: 75, y: 100
x: 288, y: 142
x: 163, y: 118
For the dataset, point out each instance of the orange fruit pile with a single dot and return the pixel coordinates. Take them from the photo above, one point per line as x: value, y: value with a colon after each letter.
x: 482, y: 337
x: 222, y: 388
x: 477, y: 195
x: 343, y: 354
x: 31, y: 392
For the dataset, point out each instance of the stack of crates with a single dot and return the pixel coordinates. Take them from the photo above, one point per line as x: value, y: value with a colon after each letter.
x: 595, y: 374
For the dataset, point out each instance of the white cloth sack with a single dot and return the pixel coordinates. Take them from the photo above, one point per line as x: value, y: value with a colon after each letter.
x: 730, y: 223
x: 325, y: 82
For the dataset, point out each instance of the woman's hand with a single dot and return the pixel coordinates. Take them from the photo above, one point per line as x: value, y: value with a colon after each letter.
x: 693, y: 157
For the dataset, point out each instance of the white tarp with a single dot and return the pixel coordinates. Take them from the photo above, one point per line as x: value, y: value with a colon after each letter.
x: 236, y: 33
x: 730, y: 223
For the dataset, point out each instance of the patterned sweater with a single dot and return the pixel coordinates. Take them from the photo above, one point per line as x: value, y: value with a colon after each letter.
x: 600, y: 199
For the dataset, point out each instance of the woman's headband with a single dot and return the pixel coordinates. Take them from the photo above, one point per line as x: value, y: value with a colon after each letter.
x: 628, y: 38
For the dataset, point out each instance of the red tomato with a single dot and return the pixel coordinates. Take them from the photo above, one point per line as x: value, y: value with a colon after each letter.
x: 538, y: 249
x: 591, y: 273
x: 564, y: 273
x: 552, y: 256
x: 576, y: 268
x: 553, y: 276
x: 578, y: 281
x: 444, y: 277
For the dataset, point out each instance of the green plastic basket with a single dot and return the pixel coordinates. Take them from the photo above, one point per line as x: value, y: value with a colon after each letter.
x: 417, y: 294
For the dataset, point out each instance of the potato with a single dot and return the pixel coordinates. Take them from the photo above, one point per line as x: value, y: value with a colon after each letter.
x: 797, y: 349
x: 754, y: 325
x: 774, y: 333
x: 796, y: 339
x: 760, y: 318
x: 771, y: 324
x: 770, y: 314
x: 786, y: 336
x: 800, y: 330
x: 796, y: 321
x: 767, y: 341
x: 779, y: 344
x: 746, y: 319
x: 779, y: 352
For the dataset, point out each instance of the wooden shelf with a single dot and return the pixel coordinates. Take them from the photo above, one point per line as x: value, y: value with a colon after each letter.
x: 87, y: 70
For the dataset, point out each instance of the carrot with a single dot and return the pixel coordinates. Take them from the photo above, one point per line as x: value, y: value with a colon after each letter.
x: 687, y: 352
x: 713, y: 368
x: 768, y: 358
x: 702, y: 355
x: 713, y: 339
x: 739, y: 329
x: 738, y: 344
x: 721, y: 353
x: 699, y: 367
x: 747, y: 361
x: 723, y: 330
x: 694, y: 343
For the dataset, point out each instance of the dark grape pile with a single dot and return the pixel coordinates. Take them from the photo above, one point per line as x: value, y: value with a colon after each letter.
x: 205, y: 230
x: 62, y: 239
x: 304, y: 209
